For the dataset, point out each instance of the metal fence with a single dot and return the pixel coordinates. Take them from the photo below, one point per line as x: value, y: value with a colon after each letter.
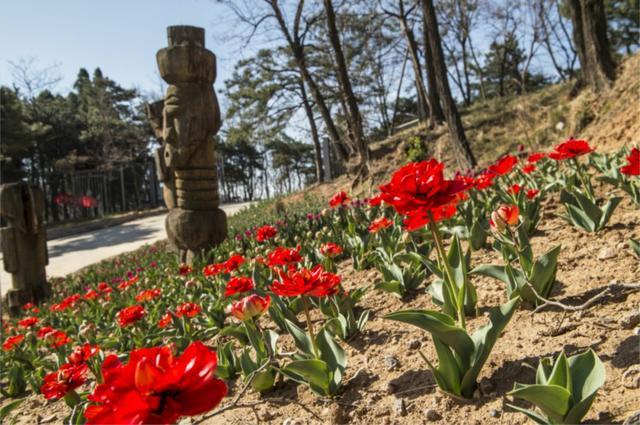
x: 77, y: 195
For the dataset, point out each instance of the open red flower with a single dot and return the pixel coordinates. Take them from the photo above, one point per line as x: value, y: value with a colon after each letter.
x: 633, y: 163
x: 164, y: 321
x: 536, y: 156
x: 375, y: 201
x: 379, y: 224
x: 69, y: 377
x: 265, y: 233
x: 148, y: 295
x: 419, y: 218
x: 338, y: 199
x: 249, y: 307
x: 129, y: 315
x: 28, y: 322
x: 330, y: 249
x: 44, y: 331
x: 571, y: 148
x: 514, y: 189
x: 504, y: 165
x: 157, y: 387
x: 91, y: 294
x: 127, y: 283
x: 57, y: 339
x: 66, y: 303
x: 529, y: 168
x: 484, y: 180
x: 282, y: 256
x: 532, y: 193
x: 184, y: 270
x: 213, y: 269
x: 237, y: 285
x: 82, y: 353
x: 235, y: 261
x: 315, y: 282
x: 28, y: 306
x: 12, y: 341
x: 188, y: 309
x: 420, y: 186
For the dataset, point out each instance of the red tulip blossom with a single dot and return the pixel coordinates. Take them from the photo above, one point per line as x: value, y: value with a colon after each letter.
x: 91, y: 294
x: 282, y: 256
x: 165, y: 321
x: 375, y: 201
x: 571, y: 148
x: 66, y: 303
x: 484, y: 180
x: 184, y: 270
x: 129, y: 315
x: 249, y: 307
x: 529, y: 168
x: 28, y: 306
x: 57, y: 339
x: 532, y: 193
x: 379, y: 224
x: 213, y: 269
x: 188, y: 309
x: 265, y: 233
x: 514, y: 189
x: 419, y: 218
x: 148, y: 295
x: 536, y: 156
x: 420, y: 187
x: 338, y: 199
x: 504, y: 165
x: 232, y: 264
x: 127, y: 283
x: 157, y: 387
x: 11, y: 342
x: 104, y: 288
x: 633, y: 163
x: 238, y: 285
x: 330, y: 249
x: 88, y: 201
x: 28, y: 322
x: 504, y: 216
x: 44, y: 331
x: 69, y: 377
x: 315, y: 282
x: 82, y: 353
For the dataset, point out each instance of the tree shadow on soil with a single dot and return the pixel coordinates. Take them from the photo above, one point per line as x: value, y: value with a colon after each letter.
x: 626, y: 354
x: 414, y: 383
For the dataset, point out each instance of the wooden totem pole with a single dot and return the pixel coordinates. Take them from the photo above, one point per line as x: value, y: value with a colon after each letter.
x: 186, y: 123
x: 24, y: 244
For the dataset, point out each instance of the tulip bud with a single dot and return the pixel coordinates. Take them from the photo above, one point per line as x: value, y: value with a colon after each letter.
x: 249, y: 307
x: 504, y: 216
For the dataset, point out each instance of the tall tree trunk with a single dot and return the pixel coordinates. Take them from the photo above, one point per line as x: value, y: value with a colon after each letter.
x: 298, y: 54
x: 437, y: 114
x: 355, y: 120
x: 314, y: 133
x: 461, y: 147
x: 590, y: 37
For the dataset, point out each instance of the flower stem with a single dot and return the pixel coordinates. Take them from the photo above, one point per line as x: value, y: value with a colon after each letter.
x: 305, y: 304
x: 585, y: 184
x: 443, y: 259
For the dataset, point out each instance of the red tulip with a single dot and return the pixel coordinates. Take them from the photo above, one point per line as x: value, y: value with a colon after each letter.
x: 157, y: 387
x: 184, y: 270
x: 164, y: 321
x: 531, y: 193
x: 315, y: 282
x: 148, y: 295
x: 265, y: 233
x: 504, y: 216
x: 536, y: 156
x: 28, y: 306
x: 57, y: 339
x: 249, y: 307
x: 375, y: 201
x: 213, y: 269
x: 44, y: 331
x: 379, y: 224
x: 418, y: 219
x: 572, y: 148
x: 12, y: 341
x: 91, y: 294
x: 421, y: 186
x: 484, y: 180
x: 188, y: 309
x: 28, y: 322
x: 281, y: 256
x: 338, y: 199
x: 235, y: 261
x: 515, y: 189
x: 330, y: 249
x: 127, y: 283
x: 82, y: 353
x: 633, y: 163
x: 504, y: 165
x: 529, y: 168
x: 69, y: 377
x: 129, y: 315
x: 237, y: 285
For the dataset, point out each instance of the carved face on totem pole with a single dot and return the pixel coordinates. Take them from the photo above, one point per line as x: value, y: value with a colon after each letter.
x: 190, y: 120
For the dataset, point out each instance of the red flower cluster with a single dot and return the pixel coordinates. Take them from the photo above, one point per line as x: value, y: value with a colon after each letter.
x: 57, y: 338
x: 282, y: 256
x: 12, y: 341
x: 633, y: 163
x: 379, y: 224
x: 28, y: 322
x: 249, y: 307
x: 330, y: 249
x: 66, y: 303
x: 266, y: 232
x: 127, y: 283
x: 156, y: 387
x: 237, y: 285
x: 148, y: 295
x: 338, y: 199
x: 69, y: 377
x: 188, y: 309
x: 571, y: 148
x: 129, y: 315
x: 419, y: 189
x: 315, y: 282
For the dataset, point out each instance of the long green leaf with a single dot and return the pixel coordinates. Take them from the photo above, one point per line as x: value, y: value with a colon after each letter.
x: 8, y: 408
x: 447, y: 367
x: 544, y: 271
x: 300, y: 337
x: 313, y: 372
x: 607, y: 211
x: 551, y: 399
x: 587, y: 374
x: 531, y: 414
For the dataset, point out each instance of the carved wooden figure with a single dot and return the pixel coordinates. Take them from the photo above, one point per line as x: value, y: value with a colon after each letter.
x: 187, y: 160
x: 24, y: 244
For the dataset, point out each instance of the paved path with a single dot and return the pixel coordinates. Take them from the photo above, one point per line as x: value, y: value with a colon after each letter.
x: 71, y: 253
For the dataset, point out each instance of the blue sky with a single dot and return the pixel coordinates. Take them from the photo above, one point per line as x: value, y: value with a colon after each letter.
x: 121, y: 37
